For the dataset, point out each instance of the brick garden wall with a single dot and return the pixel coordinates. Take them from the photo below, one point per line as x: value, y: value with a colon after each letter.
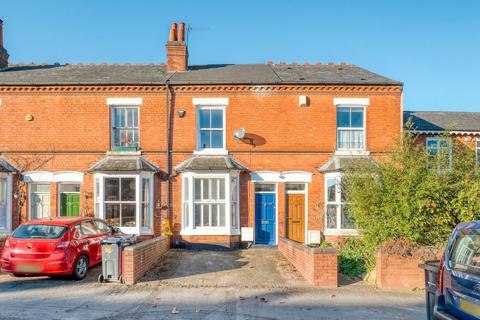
x: 137, y: 259
x: 318, y: 265
x: 395, y: 272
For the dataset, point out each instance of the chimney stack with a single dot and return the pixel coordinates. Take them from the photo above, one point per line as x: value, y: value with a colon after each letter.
x: 177, y: 53
x: 3, y: 53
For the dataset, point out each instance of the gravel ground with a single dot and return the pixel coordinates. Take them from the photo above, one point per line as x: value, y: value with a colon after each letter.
x: 246, y: 284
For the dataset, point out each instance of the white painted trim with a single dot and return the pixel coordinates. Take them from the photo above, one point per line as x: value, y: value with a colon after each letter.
x: 296, y: 176
x: 212, y: 152
x: 344, y: 152
x: 265, y: 176
x: 210, y: 101
x: 124, y: 101
x: 0, y: 102
x: 352, y: 101
x: 440, y: 132
x: 68, y: 176
x: 46, y: 176
x: 38, y: 176
x: 285, y: 176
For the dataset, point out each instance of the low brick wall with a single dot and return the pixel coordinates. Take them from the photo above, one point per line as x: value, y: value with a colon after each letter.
x: 139, y: 258
x: 395, y: 272
x: 318, y: 265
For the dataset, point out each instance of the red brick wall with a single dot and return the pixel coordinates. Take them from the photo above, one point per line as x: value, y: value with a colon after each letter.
x: 223, y: 241
x: 137, y: 259
x: 319, y: 266
x: 395, y: 272
x: 71, y: 131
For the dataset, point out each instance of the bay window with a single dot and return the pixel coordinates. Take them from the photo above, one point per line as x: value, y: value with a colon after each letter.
x: 5, y: 202
x: 210, y: 203
x: 125, y: 201
x: 337, y: 217
x: 350, y: 128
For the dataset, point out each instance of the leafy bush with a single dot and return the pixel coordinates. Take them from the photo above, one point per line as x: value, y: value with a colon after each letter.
x: 355, y: 258
x: 398, y: 197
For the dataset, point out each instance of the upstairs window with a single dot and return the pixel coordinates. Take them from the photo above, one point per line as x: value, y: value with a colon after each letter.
x: 125, y: 129
x: 210, y: 128
x: 439, y: 154
x: 350, y: 128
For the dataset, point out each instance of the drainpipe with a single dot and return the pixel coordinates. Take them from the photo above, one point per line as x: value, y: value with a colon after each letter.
x: 168, y: 151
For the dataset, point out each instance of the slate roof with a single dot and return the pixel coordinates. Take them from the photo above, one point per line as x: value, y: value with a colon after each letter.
x: 6, y: 167
x: 123, y: 163
x: 210, y: 163
x: 103, y: 74
x: 340, y: 163
x: 442, y: 120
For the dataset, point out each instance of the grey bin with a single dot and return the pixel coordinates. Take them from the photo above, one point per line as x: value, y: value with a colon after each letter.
x: 112, y: 248
x: 431, y: 278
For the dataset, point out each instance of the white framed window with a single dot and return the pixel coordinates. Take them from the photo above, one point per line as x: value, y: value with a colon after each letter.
x: 125, y: 201
x: 210, y: 129
x: 210, y: 204
x: 351, y: 128
x: 338, y: 221
x: 5, y: 203
x: 439, y: 154
x: 125, y: 128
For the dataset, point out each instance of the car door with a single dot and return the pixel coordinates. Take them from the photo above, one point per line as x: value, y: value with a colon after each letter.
x: 462, y: 296
x: 93, y: 238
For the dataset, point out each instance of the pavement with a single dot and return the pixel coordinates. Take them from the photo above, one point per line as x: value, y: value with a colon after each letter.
x: 246, y: 284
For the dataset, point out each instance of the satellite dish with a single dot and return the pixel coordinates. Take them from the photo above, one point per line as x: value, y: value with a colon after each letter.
x: 239, y: 133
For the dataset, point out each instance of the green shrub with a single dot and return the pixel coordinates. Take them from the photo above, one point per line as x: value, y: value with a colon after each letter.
x: 355, y: 257
x: 398, y: 197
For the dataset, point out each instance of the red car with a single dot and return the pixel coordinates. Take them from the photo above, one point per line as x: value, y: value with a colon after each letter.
x: 59, y: 246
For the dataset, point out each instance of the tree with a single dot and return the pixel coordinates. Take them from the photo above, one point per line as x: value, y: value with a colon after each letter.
x: 401, y: 198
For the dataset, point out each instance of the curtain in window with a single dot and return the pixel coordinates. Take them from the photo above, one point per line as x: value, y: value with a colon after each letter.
x: 125, y: 127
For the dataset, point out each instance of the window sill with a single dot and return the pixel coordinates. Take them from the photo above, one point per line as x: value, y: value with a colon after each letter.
x: 210, y: 232
x: 341, y: 232
x: 352, y: 153
x: 217, y: 152
x: 133, y: 152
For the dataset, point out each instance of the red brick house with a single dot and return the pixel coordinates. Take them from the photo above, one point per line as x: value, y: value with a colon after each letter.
x: 226, y: 153
x: 436, y: 129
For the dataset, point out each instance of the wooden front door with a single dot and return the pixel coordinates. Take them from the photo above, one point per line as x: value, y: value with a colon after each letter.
x: 296, y: 217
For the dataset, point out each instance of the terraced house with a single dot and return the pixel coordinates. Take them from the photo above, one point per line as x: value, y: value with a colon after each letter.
x: 225, y: 153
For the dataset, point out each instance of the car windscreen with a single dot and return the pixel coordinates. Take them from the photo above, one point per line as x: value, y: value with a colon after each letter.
x: 39, y: 231
x: 466, y: 252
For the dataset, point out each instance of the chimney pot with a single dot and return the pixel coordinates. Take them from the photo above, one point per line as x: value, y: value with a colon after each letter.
x: 173, y: 32
x: 181, y: 31
x: 177, y: 53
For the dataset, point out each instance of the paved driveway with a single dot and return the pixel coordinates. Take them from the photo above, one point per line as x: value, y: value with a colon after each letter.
x: 247, y: 284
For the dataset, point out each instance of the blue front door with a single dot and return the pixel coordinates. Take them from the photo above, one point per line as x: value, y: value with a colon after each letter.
x: 265, y: 220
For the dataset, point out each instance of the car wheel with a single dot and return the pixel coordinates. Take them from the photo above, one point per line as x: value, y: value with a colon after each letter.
x: 81, y: 268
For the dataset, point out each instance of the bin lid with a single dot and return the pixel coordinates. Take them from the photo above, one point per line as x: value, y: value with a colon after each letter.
x: 119, y: 239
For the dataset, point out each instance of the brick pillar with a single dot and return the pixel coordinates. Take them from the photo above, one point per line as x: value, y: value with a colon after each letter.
x: 54, y: 200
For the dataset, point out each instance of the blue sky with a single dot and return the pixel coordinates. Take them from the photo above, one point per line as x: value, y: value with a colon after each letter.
x: 432, y: 46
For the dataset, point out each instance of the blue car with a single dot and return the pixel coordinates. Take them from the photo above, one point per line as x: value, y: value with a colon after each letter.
x: 458, y: 288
